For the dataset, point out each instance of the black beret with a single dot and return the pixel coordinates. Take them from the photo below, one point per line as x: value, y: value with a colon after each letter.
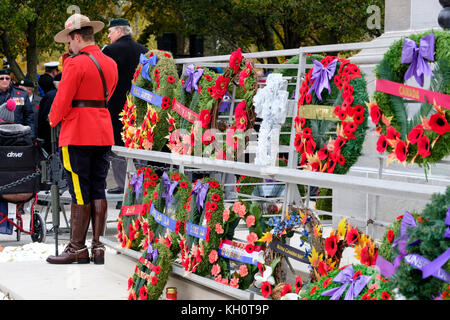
x: 26, y: 83
x: 5, y: 71
x: 118, y: 22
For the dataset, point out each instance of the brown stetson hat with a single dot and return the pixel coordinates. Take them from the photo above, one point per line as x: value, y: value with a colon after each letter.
x: 75, y: 22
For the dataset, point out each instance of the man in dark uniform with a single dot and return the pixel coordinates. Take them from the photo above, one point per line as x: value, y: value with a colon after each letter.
x: 34, y: 99
x: 46, y: 80
x: 125, y: 52
x: 24, y: 113
x: 86, y: 135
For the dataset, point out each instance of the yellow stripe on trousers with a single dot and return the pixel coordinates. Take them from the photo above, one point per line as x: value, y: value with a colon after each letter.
x: 75, y: 179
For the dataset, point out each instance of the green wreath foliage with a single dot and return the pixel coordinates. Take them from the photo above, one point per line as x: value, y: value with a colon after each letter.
x: 164, y: 79
x: 349, y: 96
x: 195, y: 252
x: 180, y: 195
x: 377, y: 288
x: 391, y: 68
x: 430, y: 231
x: 152, y: 287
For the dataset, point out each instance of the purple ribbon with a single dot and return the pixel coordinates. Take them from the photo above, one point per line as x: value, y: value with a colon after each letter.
x: 137, y: 182
x: 152, y: 253
x: 201, y: 190
x: 436, y: 264
x: 408, y: 221
x: 193, y: 78
x: 385, y: 267
x: 226, y: 103
x: 169, y: 188
x: 421, y: 263
x: 322, y: 76
x: 345, y: 277
x: 416, y: 56
x: 147, y: 63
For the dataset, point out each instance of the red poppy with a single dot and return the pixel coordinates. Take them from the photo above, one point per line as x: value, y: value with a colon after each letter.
x: 358, y: 118
x: 323, y: 154
x: 385, y: 295
x: 375, y: 114
x: 392, y: 134
x: 208, y: 215
x: 341, y: 159
x: 208, y: 77
x: 323, y: 268
x: 240, y: 115
x: 415, y: 134
x: 156, y: 72
x: 352, y: 236
x: 331, y: 164
x: 205, y: 118
x: 300, y: 121
x: 208, y: 230
x: 213, y: 206
x: 339, y: 143
x: 327, y: 282
x: 213, y: 184
x: 313, y: 290
x: 382, y: 144
x: 331, y: 245
x: 157, y: 270
x: 298, y: 284
x: 439, y: 124
x: 401, y: 150
x: 266, y: 289
x: 366, y: 297
x: 286, y: 289
x: 423, y: 146
x: 154, y: 281
x: 390, y: 236
x: 250, y: 248
x: 142, y: 293
x: 215, y: 197
x: 359, y: 109
x: 357, y: 274
x: 170, y: 79
x: 183, y: 185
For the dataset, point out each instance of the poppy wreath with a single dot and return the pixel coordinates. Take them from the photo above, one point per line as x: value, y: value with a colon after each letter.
x: 242, y: 276
x: 428, y: 242
x: 386, y: 251
x: 195, y: 252
x: 151, y: 274
x: 156, y: 73
x: 425, y: 138
x: 184, y: 135
x: 130, y: 227
x: 367, y: 283
x: 327, y: 257
x: 240, y: 72
x: 347, y: 94
x: 157, y: 232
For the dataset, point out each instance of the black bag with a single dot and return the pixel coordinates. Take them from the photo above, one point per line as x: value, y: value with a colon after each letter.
x: 19, y: 159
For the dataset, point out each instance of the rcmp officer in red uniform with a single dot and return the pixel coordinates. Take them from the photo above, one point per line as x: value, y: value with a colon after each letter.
x: 86, y: 135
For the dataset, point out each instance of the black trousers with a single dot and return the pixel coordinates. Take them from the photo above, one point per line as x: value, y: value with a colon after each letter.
x: 86, y: 171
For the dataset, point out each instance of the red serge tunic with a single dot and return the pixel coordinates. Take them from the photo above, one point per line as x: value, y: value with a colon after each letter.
x: 81, y: 81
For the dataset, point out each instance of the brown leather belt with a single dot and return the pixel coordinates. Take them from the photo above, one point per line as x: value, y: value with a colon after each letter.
x: 89, y: 103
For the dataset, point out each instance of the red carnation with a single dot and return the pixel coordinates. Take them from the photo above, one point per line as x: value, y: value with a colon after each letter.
x: 439, y: 124
x: 235, y: 60
x: 207, y: 138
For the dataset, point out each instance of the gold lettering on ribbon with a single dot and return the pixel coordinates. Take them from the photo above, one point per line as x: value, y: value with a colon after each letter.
x: 313, y: 112
x: 409, y: 92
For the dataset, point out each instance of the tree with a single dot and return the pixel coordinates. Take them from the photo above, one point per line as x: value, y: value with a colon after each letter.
x: 28, y: 27
x: 262, y: 23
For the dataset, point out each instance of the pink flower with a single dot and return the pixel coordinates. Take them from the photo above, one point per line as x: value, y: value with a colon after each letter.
x: 219, y: 229
x: 252, y: 238
x: 226, y: 214
x: 234, y: 282
x: 224, y: 281
x: 213, y: 256
x: 250, y: 221
x: 215, y: 270
x: 243, y: 270
x: 239, y: 209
